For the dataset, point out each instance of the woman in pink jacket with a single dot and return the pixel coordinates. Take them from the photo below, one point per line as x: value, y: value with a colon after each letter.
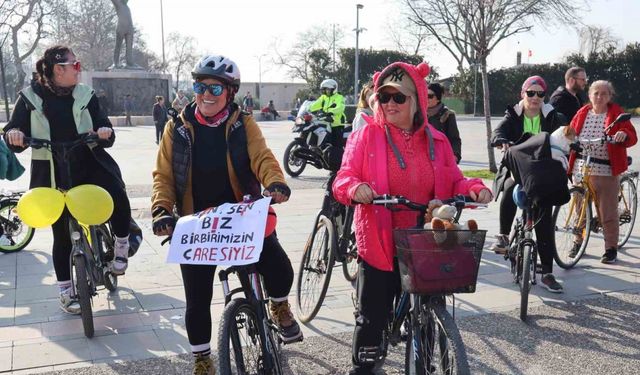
x: 398, y: 153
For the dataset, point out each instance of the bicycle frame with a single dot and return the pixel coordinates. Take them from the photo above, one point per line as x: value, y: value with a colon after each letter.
x: 523, y: 236
x: 252, y: 288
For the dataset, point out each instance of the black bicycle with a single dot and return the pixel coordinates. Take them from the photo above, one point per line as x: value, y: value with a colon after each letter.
x: 92, y: 245
x: 432, y: 265
x: 15, y: 235
x: 523, y: 252
x: 332, y: 239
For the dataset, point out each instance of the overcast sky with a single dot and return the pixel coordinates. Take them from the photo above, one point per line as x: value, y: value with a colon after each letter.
x: 244, y: 29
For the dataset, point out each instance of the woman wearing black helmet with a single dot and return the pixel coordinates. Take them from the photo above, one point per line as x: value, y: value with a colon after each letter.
x: 213, y: 154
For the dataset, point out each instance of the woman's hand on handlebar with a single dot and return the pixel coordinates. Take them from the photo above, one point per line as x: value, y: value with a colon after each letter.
x: 104, y: 132
x: 620, y: 136
x: 484, y: 196
x: 364, y: 194
x: 15, y: 137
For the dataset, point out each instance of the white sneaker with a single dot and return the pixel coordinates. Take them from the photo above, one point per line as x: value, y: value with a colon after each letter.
x: 120, y: 262
x: 4, y: 241
x: 69, y: 304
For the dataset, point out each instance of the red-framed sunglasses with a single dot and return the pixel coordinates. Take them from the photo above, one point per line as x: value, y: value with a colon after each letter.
x: 75, y: 64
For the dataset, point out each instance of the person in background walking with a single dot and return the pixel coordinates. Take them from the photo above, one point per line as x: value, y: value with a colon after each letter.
x: 363, y: 107
x: 128, y: 108
x: 247, y: 103
x: 180, y: 101
x: 104, y: 102
x: 159, y: 117
x: 570, y: 98
x: 608, y: 162
x: 443, y: 119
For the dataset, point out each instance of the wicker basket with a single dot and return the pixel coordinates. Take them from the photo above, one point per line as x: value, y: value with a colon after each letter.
x: 439, y: 262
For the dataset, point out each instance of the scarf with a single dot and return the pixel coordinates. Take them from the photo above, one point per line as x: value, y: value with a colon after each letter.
x: 212, y: 121
x: 434, y: 110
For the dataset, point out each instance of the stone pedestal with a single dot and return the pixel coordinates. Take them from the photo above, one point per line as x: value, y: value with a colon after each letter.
x: 141, y: 85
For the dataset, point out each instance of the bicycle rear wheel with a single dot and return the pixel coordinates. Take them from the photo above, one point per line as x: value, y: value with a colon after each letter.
x: 315, y: 270
x: 15, y: 235
x: 350, y: 263
x: 525, y: 280
x: 83, y: 288
x: 627, y: 209
x: 241, y: 347
x: 443, y: 350
x: 572, y: 223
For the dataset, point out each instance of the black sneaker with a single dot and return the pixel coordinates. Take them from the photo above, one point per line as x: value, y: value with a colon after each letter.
x: 574, y: 250
x: 610, y: 256
x: 549, y: 281
x: 501, y: 245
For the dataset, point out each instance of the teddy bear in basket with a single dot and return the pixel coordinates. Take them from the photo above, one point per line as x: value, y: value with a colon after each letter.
x: 439, y: 218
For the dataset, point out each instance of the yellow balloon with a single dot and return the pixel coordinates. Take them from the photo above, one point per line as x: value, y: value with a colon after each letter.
x: 89, y: 204
x: 40, y: 207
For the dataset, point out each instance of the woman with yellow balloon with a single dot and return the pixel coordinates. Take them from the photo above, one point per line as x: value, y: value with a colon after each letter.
x: 58, y: 108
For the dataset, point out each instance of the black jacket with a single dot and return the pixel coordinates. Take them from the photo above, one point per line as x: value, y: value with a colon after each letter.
x: 445, y: 121
x: 159, y: 113
x: 40, y: 169
x: 511, y: 127
x: 566, y: 103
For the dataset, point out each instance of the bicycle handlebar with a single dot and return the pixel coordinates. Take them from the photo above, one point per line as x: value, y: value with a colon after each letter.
x: 46, y: 143
x: 459, y: 202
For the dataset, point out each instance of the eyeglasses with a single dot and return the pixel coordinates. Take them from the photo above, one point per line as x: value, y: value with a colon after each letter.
x: 431, y: 96
x: 586, y: 79
x: 384, y: 97
x: 75, y: 64
x: 531, y: 93
x: 215, y: 89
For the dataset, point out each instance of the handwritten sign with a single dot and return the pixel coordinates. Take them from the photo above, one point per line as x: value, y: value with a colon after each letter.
x: 231, y: 234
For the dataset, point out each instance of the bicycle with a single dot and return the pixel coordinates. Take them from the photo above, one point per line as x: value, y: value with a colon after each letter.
x: 332, y: 239
x: 523, y: 249
x: 429, y: 270
x: 575, y: 221
x: 15, y: 235
x: 91, y: 236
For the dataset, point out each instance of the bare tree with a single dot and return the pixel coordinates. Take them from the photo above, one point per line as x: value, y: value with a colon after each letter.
x: 594, y: 39
x: 471, y: 29
x: 408, y: 37
x: 298, y: 58
x: 87, y: 26
x: 26, y: 24
x: 182, y: 54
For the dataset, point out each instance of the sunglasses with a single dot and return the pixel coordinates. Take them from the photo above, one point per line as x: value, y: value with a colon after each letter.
x: 531, y: 93
x: 398, y: 97
x: 75, y: 64
x: 215, y: 89
x: 431, y: 96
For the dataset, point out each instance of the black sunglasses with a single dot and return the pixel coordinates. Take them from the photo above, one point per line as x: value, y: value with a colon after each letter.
x: 215, y: 89
x: 431, y: 96
x: 531, y: 93
x: 384, y: 97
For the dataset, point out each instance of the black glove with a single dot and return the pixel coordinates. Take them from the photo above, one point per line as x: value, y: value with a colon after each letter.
x: 162, y: 220
x: 280, y: 188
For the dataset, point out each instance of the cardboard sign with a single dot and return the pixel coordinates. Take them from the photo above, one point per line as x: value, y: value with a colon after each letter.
x: 231, y: 235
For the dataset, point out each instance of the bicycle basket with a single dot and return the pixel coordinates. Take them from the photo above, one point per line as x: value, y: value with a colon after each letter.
x: 431, y: 264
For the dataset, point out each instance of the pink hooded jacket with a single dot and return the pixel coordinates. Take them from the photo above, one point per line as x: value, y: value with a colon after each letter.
x: 365, y: 161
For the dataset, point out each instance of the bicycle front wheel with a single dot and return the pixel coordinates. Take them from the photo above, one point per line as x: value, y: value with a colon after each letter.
x: 572, y: 223
x: 315, y: 270
x: 15, y: 235
x: 242, y: 349
x: 525, y: 280
x: 83, y: 288
x: 627, y: 208
x: 443, y: 350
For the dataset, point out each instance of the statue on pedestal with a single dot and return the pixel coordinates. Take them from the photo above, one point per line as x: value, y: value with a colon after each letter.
x: 124, y: 32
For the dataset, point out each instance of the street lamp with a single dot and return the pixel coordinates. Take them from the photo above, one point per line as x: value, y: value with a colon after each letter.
x: 4, y: 79
x: 259, y: 74
x: 357, y: 67
x: 162, y: 35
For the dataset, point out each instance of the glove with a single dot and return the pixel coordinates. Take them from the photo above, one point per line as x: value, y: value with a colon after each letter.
x: 277, y: 187
x: 163, y: 221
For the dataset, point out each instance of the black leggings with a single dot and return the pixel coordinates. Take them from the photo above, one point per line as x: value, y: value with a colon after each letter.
x: 120, y: 220
x: 376, y: 292
x: 274, y: 266
x: 545, y: 236
x: 159, y: 130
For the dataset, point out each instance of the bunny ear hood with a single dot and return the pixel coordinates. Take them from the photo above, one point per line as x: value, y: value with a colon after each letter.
x: 396, y: 75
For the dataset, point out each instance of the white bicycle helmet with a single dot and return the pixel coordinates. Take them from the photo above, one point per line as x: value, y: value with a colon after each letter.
x: 329, y: 84
x: 219, y: 67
